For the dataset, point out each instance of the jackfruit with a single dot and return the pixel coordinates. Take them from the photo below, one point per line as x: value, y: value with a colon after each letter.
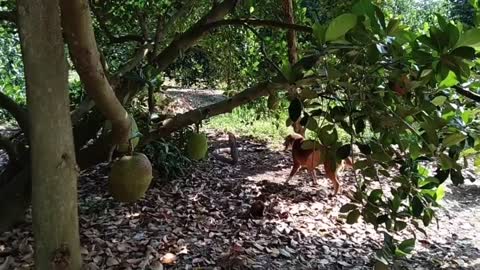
x: 130, y: 177
x: 197, y: 146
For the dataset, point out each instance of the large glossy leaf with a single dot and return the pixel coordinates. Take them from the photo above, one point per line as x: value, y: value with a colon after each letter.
x: 470, y: 38
x: 453, y: 139
x: 340, y: 26
x: 295, y: 109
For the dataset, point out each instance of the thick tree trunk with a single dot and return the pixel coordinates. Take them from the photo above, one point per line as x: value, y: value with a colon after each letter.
x: 53, y: 165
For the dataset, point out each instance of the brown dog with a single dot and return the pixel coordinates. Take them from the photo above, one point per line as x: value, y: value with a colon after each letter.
x: 311, y: 158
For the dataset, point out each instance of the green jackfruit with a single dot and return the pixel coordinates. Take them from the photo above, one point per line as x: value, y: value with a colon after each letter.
x: 130, y: 177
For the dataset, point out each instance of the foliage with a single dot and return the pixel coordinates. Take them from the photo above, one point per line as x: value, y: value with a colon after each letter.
x: 254, y: 120
x: 167, y: 159
x: 11, y: 73
x: 401, y: 86
x: 415, y: 13
x: 385, y: 83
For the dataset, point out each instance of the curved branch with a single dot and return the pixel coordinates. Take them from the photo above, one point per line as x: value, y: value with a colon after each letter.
x: 137, y: 58
x: 192, y: 35
x: 19, y: 113
x: 467, y: 93
x: 77, y: 25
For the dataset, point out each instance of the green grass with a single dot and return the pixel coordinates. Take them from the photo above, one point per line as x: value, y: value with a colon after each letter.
x: 245, y: 121
x: 271, y: 128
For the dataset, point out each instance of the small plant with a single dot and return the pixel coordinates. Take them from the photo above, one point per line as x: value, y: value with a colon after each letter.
x: 167, y: 159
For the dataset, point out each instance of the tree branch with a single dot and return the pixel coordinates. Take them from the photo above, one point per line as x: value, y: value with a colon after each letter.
x: 19, y: 113
x: 77, y: 25
x: 194, y: 116
x: 113, y: 39
x: 467, y: 93
x: 191, y: 36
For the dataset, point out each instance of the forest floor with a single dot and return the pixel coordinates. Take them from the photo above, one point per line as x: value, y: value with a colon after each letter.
x: 203, y: 221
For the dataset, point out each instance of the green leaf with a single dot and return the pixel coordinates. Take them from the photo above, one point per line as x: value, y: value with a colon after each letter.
x: 439, y: 100
x: 295, y: 109
x: 427, y: 217
x: 347, y: 208
x: 441, y: 21
x: 414, y: 150
x: 476, y: 162
x: 440, y: 193
x: 287, y: 71
x: 340, y: 26
x: 417, y: 206
x: 407, y: 246
x: 470, y: 38
x: 400, y: 225
x: 393, y: 26
x: 464, y: 52
x: 446, y: 162
x: 319, y: 33
x: 449, y: 81
x: 359, y: 126
x: 312, y: 124
x: 353, y: 216
x: 328, y: 135
x: 344, y: 151
x: 364, y: 149
x: 363, y: 7
x: 375, y: 195
x: 454, y: 139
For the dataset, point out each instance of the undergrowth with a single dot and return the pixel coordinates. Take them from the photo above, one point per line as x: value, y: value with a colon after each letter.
x: 246, y: 121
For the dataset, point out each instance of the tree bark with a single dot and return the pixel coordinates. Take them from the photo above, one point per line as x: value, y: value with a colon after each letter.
x: 53, y: 165
x: 291, y: 36
x: 77, y: 24
x: 292, y: 52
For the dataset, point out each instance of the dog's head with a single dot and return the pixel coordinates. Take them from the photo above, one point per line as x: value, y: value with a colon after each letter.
x: 290, y: 139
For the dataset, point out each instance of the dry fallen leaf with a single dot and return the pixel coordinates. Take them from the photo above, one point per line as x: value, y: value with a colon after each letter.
x: 168, y: 259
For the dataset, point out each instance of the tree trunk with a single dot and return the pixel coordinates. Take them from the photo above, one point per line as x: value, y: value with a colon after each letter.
x: 53, y: 163
x: 291, y: 37
x: 292, y: 52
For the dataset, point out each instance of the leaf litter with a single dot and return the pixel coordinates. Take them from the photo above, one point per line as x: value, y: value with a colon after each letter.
x: 220, y: 216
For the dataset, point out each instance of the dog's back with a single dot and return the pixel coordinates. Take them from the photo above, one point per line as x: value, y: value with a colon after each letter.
x: 310, y: 158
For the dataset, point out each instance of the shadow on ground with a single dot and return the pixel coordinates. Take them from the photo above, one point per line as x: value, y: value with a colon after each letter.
x: 205, y: 219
